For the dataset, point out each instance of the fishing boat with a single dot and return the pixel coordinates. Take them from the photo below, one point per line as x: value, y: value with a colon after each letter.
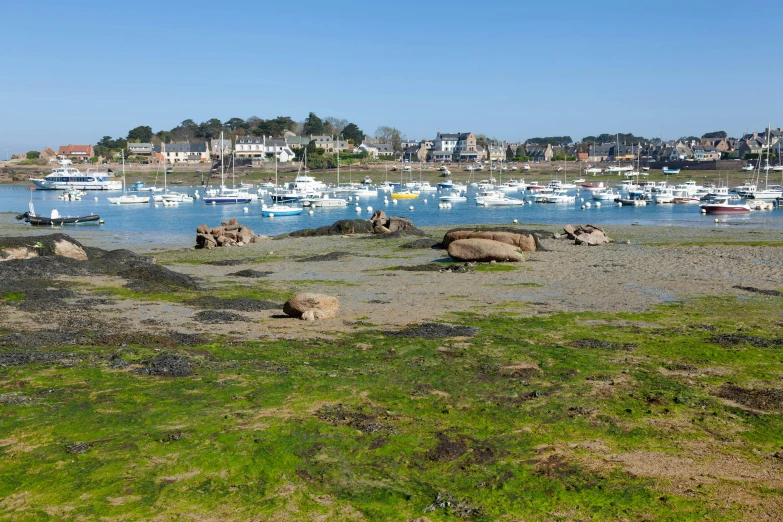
x: 127, y: 199
x: 669, y: 172
x: 664, y: 196
x: 724, y: 206
x: 280, y: 210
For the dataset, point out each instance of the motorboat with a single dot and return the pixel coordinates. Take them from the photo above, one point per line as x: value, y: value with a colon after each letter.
x: 772, y: 192
x: 593, y: 170
x: 454, y: 197
x: 685, y: 199
x: 72, y: 194
x: 724, y: 206
x: 606, y: 195
x: 405, y: 194
x: 633, y: 202
x: 594, y: 186
x: 322, y: 201
x: 226, y: 195
x: 669, y: 172
x: 748, y: 168
x: 446, y: 184
x: 424, y: 186
x: 364, y: 192
x: 139, y: 186
x: 617, y: 169
x: 542, y: 195
x: 664, y: 196
x: 367, y: 181
x: 580, y: 180
x: 534, y: 186
x: 560, y: 196
x: 745, y: 189
x: 173, y: 197
x: 499, y: 200
x: 525, y: 167
x: 386, y: 186
x: 69, y: 177
x: 129, y: 199
x: 280, y: 210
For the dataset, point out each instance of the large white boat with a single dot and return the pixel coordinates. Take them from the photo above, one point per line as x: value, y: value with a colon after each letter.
x: 63, y: 178
x: 560, y: 196
x: 322, y: 201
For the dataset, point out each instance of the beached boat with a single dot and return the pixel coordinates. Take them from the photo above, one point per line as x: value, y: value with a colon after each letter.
x: 55, y: 219
x: 666, y: 170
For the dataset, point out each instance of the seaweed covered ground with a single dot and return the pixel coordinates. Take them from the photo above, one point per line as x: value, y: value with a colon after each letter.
x: 201, y: 402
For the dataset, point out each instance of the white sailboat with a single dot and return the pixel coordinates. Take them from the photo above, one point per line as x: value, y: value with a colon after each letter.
x: 127, y: 199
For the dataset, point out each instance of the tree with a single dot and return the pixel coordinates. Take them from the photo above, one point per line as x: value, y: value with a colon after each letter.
x: 141, y: 134
x: 33, y: 154
x: 716, y: 134
x: 275, y: 127
x: 482, y: 140
x: 555, y: 140
x: 390, y: 135
x: 338, y: 125
x: 352, y: 131
x: 235, y: 124
x: 313, y: 125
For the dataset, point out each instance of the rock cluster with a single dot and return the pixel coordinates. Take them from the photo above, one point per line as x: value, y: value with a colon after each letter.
x: 524, y: 242
x: 589, y: 235
x: 383, y: 225
x: 311, y: 307
x: 40, y: 246
x: 229, y: 233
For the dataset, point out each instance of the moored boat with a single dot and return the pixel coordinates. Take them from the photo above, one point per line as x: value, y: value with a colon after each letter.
x: 724, y: 206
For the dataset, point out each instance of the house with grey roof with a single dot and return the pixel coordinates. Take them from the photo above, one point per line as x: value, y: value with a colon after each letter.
x: 140, y: 149
x: 539, y: 152
x: 297, y: 142
x: 377, y: 149
x: 330, y: 143
x: 705, y: 153
x: 186, y: 152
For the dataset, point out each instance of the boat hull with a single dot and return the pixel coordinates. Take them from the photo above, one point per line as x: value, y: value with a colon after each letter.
x: 726, y: 209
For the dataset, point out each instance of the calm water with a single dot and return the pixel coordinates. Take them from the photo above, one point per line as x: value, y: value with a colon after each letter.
x: 178, y: 224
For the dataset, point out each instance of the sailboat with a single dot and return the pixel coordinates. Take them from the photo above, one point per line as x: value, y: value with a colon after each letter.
x: 770, y: 192
x: 225, y: 194
x: 276, y: 209
x: 407, y: 193
x: 171, y: 198
x: 126, y: 198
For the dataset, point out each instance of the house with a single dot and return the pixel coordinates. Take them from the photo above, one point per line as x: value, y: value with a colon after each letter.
x: 175, y: 153
x: 297, y: 142
x: 216, y: 147
x: 79, y: 152
x: 705, y: 153
x: 48, y: 154
x: 751, y: 146
x: 377, y: 149
x: 683, y: 151
x: 440, y: 155
x: 461, y: 145
x: 417, y: 152
x: 263, y: 148
x: 140, y: 149
x: 539, y: 152
x: 621, y: 152
x: 496, y: 151
x: 599, y: 152
x: 329, y: 143
x: 511, y: 151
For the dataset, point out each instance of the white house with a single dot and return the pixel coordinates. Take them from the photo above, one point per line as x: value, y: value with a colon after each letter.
x: 261, y: 148
x: 183, y: 152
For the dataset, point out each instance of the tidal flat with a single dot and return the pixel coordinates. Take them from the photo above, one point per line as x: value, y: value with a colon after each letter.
x: 639, y: 380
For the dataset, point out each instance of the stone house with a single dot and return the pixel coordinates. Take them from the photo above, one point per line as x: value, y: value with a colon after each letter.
x: 140, y: 149
x: 705, y: 153
x: 539, y: 152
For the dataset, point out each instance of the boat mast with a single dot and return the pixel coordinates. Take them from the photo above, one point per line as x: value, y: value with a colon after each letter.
x: 222, y: 172
x: 766, y: 178
x: 123, y: 172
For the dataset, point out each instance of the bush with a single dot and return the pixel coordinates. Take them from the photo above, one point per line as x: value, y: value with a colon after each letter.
x: 33, y: 154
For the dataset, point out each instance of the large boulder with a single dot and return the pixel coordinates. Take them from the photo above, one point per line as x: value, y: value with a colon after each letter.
x: 310, y: 307
x: 399, y: 223
x: 483, y: 250
x: 379, y: 218
x: 589, y: 235
x: 524, y: 242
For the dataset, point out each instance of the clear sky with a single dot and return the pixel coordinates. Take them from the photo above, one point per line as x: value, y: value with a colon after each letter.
x: 73, y: 72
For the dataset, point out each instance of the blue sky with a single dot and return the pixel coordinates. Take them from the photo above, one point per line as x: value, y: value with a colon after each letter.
x: 512, y: 70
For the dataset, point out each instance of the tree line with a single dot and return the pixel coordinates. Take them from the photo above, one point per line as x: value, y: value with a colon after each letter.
x: 189, y: 130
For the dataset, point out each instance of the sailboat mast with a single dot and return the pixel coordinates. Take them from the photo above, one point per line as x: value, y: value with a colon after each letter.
x: 222, y: 171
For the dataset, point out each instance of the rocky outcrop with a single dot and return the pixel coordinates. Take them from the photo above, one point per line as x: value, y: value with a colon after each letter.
x: 524, y: 242
x: 589, y: 235
x: 379, y: 225
x: 484, y: 250
x: 40, y: 246
x: 229, y: 233
x: 311, y: 307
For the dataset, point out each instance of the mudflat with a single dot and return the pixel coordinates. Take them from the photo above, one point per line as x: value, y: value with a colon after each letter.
x: 638, y: 379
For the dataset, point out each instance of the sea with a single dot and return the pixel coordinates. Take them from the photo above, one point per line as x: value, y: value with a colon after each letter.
x: 141, y: 223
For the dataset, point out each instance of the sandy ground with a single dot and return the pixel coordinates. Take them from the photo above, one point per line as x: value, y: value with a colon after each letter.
x: 612, y: 278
